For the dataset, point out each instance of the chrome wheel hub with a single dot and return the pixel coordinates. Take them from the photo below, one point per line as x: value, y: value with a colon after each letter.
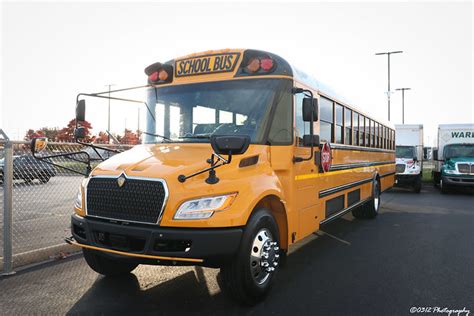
x: 264, y: 256
x: 376, y: 197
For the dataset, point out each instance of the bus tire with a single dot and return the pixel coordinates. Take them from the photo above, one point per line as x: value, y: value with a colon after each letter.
x: 371, y: 209
x: 107, y: 266
x: 249, y: 277
x: 358, y: 212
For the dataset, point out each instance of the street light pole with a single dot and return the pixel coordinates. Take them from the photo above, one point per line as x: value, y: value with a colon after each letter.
x: 403, y: 102
x: 388, y: 74
x: 108, y: 116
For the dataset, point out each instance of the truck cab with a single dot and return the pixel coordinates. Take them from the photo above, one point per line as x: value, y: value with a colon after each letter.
x: 454, y: 159
x: 409, y: 155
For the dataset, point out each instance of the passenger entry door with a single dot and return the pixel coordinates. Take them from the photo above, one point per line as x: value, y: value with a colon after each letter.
x: 305, y: 174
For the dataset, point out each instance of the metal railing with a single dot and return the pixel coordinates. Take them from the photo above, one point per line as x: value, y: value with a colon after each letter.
x: 37, y: 202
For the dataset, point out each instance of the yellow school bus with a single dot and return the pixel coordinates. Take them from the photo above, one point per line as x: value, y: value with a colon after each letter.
x: 243, y: 156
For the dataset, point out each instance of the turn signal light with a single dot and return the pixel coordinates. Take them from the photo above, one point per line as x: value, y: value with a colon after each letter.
x: 163, y: 75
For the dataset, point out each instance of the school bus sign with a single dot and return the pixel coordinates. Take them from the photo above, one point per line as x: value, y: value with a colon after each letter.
x: 203, y: 65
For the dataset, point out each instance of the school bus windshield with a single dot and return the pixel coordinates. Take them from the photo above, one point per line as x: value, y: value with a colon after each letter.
x: 193, y: 112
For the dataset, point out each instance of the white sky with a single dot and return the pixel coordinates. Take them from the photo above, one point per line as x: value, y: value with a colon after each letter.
x: 52, y: 51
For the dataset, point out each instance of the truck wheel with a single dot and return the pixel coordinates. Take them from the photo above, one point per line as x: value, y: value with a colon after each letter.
x: 106, y: 266
x: 444, y: 187
x: 250, y: 275
x: 417, y: 187
x: 436, y: 178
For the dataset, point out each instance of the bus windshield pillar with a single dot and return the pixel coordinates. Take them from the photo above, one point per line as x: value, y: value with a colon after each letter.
x: 150, y: 121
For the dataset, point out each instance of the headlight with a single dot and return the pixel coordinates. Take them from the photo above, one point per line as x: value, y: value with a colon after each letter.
x: 450, y: 171
x: 204, y: 207
x: 78, y: 201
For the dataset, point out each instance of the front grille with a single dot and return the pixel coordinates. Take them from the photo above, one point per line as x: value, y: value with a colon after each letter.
x: 400, y: 168
x: 137, y: 200
x: 465, y: 168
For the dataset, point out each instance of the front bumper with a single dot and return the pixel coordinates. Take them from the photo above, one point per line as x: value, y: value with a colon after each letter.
x: 458, y: 180
x: 406, y: 179
x: 150, y: 244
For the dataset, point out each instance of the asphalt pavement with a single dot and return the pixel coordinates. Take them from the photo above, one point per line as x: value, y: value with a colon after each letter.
x: 416, y: 253
x: 41, y: 212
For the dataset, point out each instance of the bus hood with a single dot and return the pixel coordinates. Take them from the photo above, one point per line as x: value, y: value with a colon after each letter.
x: 157, y: 160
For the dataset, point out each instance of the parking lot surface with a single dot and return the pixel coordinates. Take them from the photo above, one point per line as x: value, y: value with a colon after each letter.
x: 416, y: 253
x: 41, y: 212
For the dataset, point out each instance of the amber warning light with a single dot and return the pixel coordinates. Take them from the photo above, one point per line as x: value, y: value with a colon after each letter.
x: 159, y: 73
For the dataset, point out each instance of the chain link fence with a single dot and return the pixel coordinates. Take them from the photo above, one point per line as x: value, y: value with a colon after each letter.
x: 42, y: 199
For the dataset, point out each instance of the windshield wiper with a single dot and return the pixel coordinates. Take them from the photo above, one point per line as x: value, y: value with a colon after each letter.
x: 156, y: 135
x: 201, y: 136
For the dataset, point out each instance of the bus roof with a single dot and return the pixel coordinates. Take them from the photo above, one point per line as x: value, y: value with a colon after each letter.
x: 326, y: 90
x: 285, y: 68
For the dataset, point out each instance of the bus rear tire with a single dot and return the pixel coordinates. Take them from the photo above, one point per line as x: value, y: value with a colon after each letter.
x: 371, y: 208
x: 246, y: 278
x: 107, y: 266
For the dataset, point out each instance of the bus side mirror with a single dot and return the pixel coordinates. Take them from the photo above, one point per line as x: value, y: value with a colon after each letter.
x: 310, y: 105
x: 230, y: 145
x: 38, y: 144
x: 309, y: 140
x: 80, y: 133
x: 81, y: 110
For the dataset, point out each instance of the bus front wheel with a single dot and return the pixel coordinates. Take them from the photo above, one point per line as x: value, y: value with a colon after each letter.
x: 250, y: 275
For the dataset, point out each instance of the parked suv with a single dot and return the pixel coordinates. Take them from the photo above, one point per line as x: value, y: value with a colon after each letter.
x: 27, y: 168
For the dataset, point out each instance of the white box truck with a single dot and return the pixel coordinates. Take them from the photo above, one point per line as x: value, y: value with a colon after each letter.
x: 409, y: 155
x: 454, y: 158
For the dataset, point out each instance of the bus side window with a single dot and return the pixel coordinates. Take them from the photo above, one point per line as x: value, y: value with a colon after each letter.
x: 326, y: 120
x: 367, y: 132
x: 348, y: 126
x: 356, y: 128
x: 339, y: 123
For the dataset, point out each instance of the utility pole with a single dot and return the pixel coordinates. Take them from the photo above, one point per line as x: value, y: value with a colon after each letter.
x: 108, y: 116
x: 138, y: 121
x: 403, y: 102
x: 388, y: 92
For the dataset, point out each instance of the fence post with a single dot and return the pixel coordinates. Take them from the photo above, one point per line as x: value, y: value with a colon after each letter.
x: 7, y: 207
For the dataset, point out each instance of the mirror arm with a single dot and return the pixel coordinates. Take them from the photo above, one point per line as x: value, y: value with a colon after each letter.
x: 67, y: 155
x: 95, y: 147
x: 212, y: 179
x: 98, y: 95
x: 311, y: 123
